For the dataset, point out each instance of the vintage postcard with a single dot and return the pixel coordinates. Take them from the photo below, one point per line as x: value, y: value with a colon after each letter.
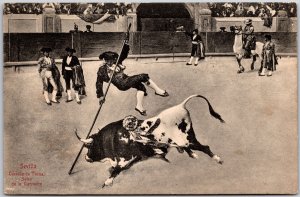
x: 150, y: 98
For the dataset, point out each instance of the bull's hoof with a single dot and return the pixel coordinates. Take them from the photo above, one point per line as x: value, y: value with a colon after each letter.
x: 194, y: 156
x: 241, y: 70
x: 218, y: 159
x: 252, y: 66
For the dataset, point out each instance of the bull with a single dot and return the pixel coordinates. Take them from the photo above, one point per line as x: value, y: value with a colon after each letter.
x: 130, y: 140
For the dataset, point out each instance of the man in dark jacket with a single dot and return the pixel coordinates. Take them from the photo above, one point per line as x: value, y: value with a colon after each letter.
x: 69, y: 71
x: 124, y: 82
x: 88, y: 29
x: 198, y: 50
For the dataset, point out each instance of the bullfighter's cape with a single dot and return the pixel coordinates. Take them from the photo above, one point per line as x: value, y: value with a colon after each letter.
x: 56, y: 77
x: 78, y: 79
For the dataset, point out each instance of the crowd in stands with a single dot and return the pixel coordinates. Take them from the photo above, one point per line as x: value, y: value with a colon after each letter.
x: 268, y: 9
x: 23, y: 8
x: 68, y: 8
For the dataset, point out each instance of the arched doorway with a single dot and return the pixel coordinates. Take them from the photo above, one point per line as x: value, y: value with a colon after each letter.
x: 163, y: 16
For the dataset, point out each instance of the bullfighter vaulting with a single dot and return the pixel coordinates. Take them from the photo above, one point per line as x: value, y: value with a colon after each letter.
x: 124, y: 82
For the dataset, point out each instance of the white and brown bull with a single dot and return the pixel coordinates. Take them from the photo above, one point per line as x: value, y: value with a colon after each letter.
x: 130, y: 140
x: 174, y: 127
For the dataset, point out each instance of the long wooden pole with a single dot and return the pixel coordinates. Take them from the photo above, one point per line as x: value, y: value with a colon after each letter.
x: 101, y: 104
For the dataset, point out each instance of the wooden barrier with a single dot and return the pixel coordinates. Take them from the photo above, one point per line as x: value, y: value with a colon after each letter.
x: 25, y: 47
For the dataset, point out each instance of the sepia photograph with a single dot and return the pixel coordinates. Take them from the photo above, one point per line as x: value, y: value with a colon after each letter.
x: 149, y: 98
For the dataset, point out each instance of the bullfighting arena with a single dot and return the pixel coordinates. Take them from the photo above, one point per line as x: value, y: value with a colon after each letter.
x: 258, y: 142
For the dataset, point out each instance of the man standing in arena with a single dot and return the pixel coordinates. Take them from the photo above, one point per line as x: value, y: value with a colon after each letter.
x: 198, y: 50
x: 269, y: 60
x: 47, y: 68
x: 71, y: 70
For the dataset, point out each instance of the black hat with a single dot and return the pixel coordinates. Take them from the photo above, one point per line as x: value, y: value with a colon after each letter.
x: 248, y: 21
x: 109, y: 55
x: 222, y: 28
x: 195, y: 30
x: 88, y: 27
x: 45, y: 49
x: 68, y: 49
x: 268, y: 37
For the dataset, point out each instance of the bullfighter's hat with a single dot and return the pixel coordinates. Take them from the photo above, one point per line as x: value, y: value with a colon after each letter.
x: 88, y: 26
x: 68, y: 49
x: 248, y: 21
x: 195, y: 30
x: 108, y: 55
x: 46, y: 49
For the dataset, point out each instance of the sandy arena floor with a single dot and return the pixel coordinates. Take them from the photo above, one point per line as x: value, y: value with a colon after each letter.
x: 258, y: 143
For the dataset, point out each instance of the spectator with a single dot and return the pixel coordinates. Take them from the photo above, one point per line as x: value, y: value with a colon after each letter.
x: 292, y: 10
x: 129, y: 7
x: 222, y: 29
x: 67, y: 8
x: 64, y: 8
x: 88, y: 10
x: 267, y: 18
x: 37, y: 9
x: 48, y: 5
x: 262, y: 13
x: 76, y: 30
x: 7, y: 9
x: 251, y: 11
x: 24, y: 9
x: 17, y: 10
x: 57, y: 8
x: 30, y: 11
x: 99, y: 9
x: 123, y: 9
x: 240, y: 10
x: 88, y: 29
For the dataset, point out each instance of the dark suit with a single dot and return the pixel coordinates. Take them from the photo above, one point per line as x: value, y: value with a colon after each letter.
x: 122, y: 81
x: 269, y: 60
x: 68, y: 74
x: 198, y: 49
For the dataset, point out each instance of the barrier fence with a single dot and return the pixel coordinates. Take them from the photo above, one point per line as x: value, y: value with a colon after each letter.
x: 26, y: 46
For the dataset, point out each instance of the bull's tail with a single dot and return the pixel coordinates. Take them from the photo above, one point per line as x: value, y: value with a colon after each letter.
x: 211, y: 110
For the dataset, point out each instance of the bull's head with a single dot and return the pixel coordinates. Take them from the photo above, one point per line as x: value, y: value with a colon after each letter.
x: 88, y: 143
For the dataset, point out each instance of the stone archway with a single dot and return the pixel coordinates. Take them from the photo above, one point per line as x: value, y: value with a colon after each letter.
x: 163, y: 16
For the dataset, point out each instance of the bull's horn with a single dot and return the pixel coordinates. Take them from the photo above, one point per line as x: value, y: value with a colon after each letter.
x: 85, y: 141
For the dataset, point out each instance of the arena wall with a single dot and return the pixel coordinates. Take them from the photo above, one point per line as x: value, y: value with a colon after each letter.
x: 26, y: 46
x: 22, y: 23
x: 54, y: 23
x: 30, y: 23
